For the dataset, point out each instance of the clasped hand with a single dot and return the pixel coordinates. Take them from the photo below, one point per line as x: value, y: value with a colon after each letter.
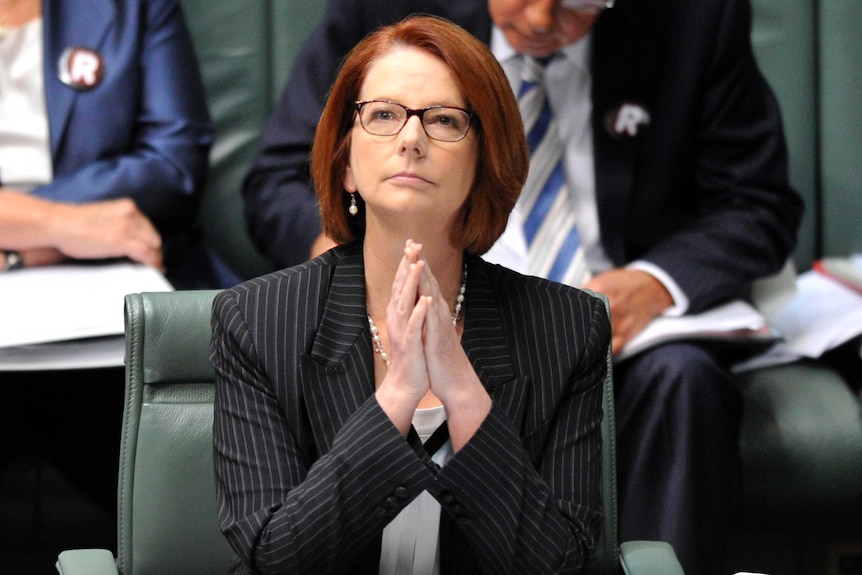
x: 426, y: 357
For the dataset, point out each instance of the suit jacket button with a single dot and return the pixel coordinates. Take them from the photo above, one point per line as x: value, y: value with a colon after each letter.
x: 402, y: 492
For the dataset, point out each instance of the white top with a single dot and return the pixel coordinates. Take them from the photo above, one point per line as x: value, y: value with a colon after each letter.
x: 25, y: 151
x: 411, y: 541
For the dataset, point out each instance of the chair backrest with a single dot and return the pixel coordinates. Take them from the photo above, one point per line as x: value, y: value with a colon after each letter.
x: 167, y: 519
x: 167, y: 513
x: 245, y: 51
x: 809, y: 51
x: 607, y: 550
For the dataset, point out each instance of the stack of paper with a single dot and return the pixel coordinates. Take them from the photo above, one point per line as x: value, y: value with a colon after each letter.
x: 825, y: 313
x: 73, y: 303
x: 735, y: 323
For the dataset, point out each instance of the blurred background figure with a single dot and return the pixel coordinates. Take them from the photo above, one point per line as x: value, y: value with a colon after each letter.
x: 104, y: 143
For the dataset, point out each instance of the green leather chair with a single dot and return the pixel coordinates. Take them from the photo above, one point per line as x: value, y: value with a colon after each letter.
x: 801, y: 434
x: 167, y: 520
x: 245, y: 50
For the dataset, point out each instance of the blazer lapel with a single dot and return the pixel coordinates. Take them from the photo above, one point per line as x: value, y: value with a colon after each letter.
x: 344, y: 315
x: 622, y: 60
x: 340, y: 373
x: 67, y: 24
x: 485, y: 342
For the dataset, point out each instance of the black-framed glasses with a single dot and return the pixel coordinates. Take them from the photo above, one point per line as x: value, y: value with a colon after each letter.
x: 443, y: 123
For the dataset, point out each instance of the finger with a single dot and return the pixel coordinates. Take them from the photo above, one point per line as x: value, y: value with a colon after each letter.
x: 439, y: 314
x: 416, y: 323
x: 429, y: 286
x: 400, y: 278
x: 409, y: 257
x: 410, y: 293
x: 407, y: 356
x: 401, y: 304
x: 145, y: 254
x: 413, y: 250
x: 428, y: 283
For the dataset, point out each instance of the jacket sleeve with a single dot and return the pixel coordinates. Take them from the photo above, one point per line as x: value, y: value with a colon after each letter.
x: 280, y: 205
x: 744, y: 221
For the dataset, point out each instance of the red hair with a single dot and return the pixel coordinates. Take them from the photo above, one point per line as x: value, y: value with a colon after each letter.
x: 503, y: 159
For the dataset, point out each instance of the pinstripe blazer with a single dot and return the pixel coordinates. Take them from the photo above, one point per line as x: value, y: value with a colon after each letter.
x: 309, y: 469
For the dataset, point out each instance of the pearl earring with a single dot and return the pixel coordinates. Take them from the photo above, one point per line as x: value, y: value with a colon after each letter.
x: 353, y: 209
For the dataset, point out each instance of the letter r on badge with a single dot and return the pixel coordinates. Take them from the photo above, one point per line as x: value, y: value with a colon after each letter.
x: 629, y: 119
x: 84, y: 68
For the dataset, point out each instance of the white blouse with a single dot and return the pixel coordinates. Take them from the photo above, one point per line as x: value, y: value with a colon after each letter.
x: 25, y: 151
x: 411, y: 540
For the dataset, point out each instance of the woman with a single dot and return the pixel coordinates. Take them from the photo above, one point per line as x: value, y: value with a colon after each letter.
x: 398, y: 405
x: 105, y: 136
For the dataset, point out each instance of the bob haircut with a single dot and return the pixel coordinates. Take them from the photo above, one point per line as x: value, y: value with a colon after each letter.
x: 503, y: 158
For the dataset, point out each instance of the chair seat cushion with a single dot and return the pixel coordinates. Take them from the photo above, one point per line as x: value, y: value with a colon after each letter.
x: 801, y: 444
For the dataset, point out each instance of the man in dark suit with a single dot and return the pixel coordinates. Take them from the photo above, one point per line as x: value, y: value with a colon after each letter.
x: 676, y: 160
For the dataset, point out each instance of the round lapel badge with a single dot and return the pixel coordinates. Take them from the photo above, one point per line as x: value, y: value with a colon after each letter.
x: 627, y: 120
x: 80, y: 68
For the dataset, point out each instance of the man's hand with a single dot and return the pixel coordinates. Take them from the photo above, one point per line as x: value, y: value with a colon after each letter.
x: 635, y: 296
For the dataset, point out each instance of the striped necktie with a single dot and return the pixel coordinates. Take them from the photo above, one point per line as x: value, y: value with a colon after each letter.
x: 553, y: 242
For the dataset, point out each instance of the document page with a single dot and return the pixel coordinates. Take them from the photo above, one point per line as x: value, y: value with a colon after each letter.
x: 734, y: 323
x: 71, y: 301
x: 825, y: 313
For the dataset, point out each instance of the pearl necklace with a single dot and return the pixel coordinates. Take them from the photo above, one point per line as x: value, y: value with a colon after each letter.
x: 456, y: 315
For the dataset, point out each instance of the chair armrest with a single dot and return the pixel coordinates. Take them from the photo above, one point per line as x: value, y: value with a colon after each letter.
x: 86, y: 562
x: 649, y: 558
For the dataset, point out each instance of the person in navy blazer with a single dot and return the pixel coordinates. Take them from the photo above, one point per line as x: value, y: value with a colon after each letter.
x: 687, y: 179
x: 365, y: 412
x: 127, y: 118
